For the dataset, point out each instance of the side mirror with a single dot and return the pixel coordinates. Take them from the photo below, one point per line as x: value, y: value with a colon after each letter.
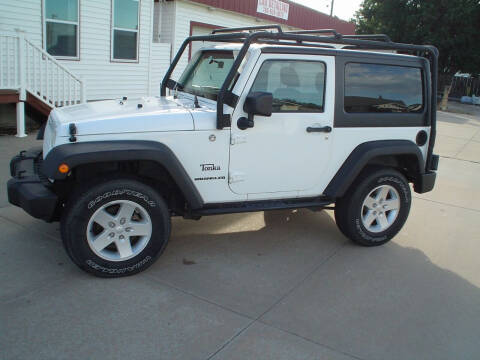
x: 259, y: 103
x: 256, y: 103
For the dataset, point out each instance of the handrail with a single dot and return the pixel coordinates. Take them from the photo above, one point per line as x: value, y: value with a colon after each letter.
x: 25, y: 66
x: 52, y: 59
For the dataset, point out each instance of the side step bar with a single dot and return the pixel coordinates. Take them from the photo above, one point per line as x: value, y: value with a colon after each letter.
x: 215, y: 209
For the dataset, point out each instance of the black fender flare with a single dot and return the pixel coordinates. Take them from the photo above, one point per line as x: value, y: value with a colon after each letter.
x: 82, y: 153
x: 360, y: 157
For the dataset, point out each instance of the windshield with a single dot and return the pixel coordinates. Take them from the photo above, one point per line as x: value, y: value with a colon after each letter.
x: 205, y: 74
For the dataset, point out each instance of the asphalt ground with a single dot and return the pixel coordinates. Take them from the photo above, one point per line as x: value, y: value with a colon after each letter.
x: 276, y: 285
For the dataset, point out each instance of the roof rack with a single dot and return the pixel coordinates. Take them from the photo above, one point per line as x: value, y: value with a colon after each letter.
x: 377, y: 37
x: 248, y: 28
x: 312, y: 38
x: 318, y: 31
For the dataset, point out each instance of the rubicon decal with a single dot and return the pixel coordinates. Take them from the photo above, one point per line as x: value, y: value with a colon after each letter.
x: 209, y: 167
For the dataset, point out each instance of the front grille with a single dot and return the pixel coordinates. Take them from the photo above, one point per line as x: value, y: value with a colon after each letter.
x: 38, y: 168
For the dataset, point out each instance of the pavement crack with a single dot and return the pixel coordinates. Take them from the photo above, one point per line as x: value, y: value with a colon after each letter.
x: 312, y: 341
x: 277, y: 302
x: 162, y: 282
x: 454, y: 158
x: 446, y: 204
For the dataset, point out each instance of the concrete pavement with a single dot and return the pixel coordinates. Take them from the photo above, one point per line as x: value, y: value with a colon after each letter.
x: 279, y: 285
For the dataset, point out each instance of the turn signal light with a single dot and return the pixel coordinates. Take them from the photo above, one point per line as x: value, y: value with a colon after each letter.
x: 63, y: 168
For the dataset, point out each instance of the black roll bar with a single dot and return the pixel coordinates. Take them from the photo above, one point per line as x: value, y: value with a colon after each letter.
x: 297, y: 38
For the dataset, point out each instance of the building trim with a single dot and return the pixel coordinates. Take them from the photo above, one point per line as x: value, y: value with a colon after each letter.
x: 299, y: 16
x: 205, y: 25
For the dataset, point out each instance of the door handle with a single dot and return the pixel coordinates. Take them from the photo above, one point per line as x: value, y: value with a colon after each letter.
x: 326, y: 129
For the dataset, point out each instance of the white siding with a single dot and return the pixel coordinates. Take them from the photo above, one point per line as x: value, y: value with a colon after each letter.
x: 167, y: 23
x: 104, y: 79
x: 159, y: 62
x: 24, y: 15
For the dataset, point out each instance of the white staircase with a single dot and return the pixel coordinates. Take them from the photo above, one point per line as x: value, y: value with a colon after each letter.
x: 30, y: 71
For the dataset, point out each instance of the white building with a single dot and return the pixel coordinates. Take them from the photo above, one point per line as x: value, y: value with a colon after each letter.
x: 61, y: 52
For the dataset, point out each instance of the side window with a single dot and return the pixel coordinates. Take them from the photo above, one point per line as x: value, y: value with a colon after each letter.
x: 297, y: 86
x: 376, y: 88
x: 125, y: 30
x: 61, y: 28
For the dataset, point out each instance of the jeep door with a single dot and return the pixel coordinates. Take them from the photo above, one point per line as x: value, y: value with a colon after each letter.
x: 288, y: 151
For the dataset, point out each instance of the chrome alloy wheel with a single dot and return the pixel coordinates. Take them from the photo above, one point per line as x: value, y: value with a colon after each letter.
x: 119, y: 230
x: 380, y: 208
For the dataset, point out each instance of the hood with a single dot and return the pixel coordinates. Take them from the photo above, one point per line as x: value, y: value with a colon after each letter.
x: 117, y: 116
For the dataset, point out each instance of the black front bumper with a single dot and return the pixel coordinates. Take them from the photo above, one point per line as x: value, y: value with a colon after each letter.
x: 28, y: 189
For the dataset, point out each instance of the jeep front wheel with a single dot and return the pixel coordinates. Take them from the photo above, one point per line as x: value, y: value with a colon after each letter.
x: 375, y: 208
x: 116, y: 228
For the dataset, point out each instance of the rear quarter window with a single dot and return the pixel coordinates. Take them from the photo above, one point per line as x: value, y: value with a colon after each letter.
x: 378, y: 88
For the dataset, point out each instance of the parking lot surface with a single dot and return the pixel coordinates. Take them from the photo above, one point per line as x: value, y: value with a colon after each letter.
x: 276, y: 285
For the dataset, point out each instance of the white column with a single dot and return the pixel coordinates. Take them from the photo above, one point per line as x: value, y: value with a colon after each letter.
x: 22, y: 90
x: 21, y: 119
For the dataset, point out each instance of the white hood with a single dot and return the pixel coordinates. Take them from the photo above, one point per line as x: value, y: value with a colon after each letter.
x: 115, y: 117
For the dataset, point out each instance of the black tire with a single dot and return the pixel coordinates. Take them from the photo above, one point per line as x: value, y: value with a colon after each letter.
x: 83, y: 205
x: 349, y: 209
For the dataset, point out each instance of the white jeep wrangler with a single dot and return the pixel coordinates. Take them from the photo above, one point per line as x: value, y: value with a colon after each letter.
x: 269, y: 120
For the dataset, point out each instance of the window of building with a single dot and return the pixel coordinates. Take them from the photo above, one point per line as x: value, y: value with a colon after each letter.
x: 297, y: 86
x: 383, y: 88
x: 61, y: 28
x: 125, y: 24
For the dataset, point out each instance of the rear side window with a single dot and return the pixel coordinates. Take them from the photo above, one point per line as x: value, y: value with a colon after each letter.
x: 376, y: 88
x: 296, y: 86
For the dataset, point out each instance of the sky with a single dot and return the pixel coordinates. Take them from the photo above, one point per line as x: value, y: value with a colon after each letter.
x: 344, y: 9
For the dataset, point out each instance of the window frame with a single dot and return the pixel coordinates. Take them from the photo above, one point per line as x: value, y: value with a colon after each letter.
x: 343, y: 119
x: 297, y: 60
x: 112, y: 32
x: 44, y: 28
x: 422, y: 78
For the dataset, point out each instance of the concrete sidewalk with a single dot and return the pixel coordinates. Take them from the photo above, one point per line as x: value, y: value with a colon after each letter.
x: 279, y: 285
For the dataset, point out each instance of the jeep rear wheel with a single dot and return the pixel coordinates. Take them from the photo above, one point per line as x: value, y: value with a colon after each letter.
x: 116, y: 228
x: 375, y: 208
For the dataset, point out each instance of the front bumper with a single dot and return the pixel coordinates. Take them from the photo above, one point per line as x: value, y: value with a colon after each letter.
x: 28, y: 189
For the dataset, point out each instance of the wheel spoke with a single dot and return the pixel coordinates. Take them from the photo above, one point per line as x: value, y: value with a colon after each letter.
x: 382, y: 221
x: 393, y: 204
x: 124, y: 247
x: 139, y: 229
x: 369, y: 201
x: 382, y: 193
x: 369, y: 218
x: 102, y: 241
x: 126, y: 211
x: 103, y: 218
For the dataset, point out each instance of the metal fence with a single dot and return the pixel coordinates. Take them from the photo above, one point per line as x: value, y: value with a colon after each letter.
x: 460, y: 86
